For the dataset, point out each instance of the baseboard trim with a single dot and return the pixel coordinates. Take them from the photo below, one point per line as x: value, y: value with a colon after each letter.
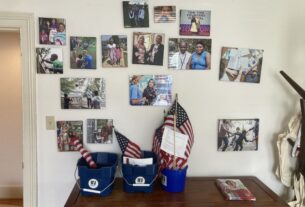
x: 11, y: 192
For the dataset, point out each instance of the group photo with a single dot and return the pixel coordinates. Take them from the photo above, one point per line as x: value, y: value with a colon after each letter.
x: 114, y: 51
x: 52, y: 31
x: 82, y: 93
x: 148, y: 48
x: 150, y: 90
x: 83, y: 52
x: 238, y: 134
x: 189, y: 54
x: 49, y: 60
x: 135, y: 13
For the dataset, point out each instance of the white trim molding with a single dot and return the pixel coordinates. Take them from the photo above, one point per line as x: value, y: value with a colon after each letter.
x: 24, y: 22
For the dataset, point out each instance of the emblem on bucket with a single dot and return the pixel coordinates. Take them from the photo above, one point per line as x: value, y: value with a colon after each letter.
x: 140, y: 180
x: 93, y: 183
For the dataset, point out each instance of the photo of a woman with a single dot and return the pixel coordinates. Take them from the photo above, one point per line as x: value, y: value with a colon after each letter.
x: 111, y: 46
x: 139, y: 51
x: 150, y: 92
x: 201, y: 59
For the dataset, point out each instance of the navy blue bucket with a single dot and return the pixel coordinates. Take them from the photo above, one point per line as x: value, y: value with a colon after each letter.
x: 100, y: 180
x: 173, y: 180
x: 140, y: 178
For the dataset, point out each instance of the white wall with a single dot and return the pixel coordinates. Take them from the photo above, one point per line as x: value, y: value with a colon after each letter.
x: 11, y: 116
x: 277, y: 26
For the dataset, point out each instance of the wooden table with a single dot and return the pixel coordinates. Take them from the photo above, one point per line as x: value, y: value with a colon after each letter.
x: 199, y: 192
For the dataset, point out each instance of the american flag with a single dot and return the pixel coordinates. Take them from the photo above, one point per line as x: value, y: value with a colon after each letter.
x: 129, y: 149
x: 184, y: 126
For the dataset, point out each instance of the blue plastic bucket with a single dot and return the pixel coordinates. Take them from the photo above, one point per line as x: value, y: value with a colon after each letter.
x: 100, y: 180
x: 173, y: 180
x: 140, y: 178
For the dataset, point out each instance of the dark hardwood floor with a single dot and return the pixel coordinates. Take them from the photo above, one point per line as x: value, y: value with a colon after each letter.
x: 12, y: 202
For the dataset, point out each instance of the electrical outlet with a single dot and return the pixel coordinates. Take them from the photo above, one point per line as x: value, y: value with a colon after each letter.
x: 50, y: 122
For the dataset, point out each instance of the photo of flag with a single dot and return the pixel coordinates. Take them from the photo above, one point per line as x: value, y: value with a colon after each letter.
x: 128, y: 148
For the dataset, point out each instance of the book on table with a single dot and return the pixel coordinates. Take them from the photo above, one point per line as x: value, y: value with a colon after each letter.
x: 234, y: 189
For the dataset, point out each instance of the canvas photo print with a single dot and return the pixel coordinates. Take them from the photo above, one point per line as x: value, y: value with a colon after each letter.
x: 148, y: 48
x: 135, y: 13
x: 114, y: 51
x: 241, y: 64
x: 238, y: 134
x: 165, y: 14
x: 49, y: 60
x: 83, y: 52
x: 195, y: 22
x: 67, y: 132
x: 82, y: 93
x: 189, y: 54
x: 52, y: 31
x: 150, y: 90
x: 99, y: 131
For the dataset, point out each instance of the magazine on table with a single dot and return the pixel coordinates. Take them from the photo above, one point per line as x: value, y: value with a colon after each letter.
x: 234, y: 189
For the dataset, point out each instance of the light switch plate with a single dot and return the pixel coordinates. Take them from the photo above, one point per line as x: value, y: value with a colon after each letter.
x: 50, y: 122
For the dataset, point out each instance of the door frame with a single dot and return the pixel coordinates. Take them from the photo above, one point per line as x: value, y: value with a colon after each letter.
x: 24, y: 23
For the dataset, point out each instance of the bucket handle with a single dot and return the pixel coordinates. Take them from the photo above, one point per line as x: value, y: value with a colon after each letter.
x: 135, y: 184
x: 90, y: 190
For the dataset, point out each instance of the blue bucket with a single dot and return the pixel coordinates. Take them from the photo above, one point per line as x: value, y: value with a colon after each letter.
x: 99, y: 180
x: 140, y: 178
x: 173, y: 180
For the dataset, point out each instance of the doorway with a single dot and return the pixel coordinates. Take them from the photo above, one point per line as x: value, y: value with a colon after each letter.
x: 24, y: 23
x: 11, y: 118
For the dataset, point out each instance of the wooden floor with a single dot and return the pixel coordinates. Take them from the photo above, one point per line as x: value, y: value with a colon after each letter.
x: 11, y: 202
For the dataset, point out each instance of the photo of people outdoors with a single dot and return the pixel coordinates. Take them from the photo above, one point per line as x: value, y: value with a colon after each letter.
x: 135, y: 13
x: 82, y: 93
x: 114, y: 51
x: 83, y: 52
x: 195, y: 22
x: 148, y: 48
x: 49, y: 60
x: 165, y: 14
x: 238, y: 134
x: 52, y: 31
x: 99, y: 131
x: 241, y: 64
x: 150, y: 90
x: 189, y: 54
x: 67, y: 132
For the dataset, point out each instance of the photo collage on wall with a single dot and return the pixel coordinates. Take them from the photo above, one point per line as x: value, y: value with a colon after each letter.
x: 184, y: 53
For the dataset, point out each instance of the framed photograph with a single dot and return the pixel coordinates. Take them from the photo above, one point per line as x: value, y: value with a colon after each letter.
x: 49, y: 60
x: 148, y: 48
x: 82, y: 93
x: 241, y: 64
x: 52, y: 31
x: 114, y: 51
x: 99, y: 131
x: 189, y: 54
x: 195, y: 22
x: 165, y: 14
x: 67, y: 132
x: 150, y: 90
x: 83, y: 52
x: 135, y: 13
x: 238, y: 134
